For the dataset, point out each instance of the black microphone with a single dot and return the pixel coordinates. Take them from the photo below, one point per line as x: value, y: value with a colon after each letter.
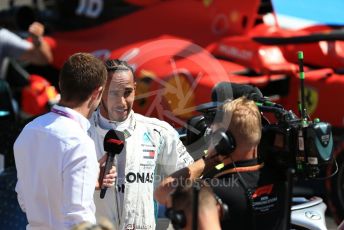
x: 113, y: 144
x: 227, y: 90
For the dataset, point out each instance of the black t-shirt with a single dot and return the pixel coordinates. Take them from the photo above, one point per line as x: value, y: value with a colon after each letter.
x: 265, y: 188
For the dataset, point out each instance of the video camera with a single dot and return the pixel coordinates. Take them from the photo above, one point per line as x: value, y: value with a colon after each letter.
x: 298, y: 143
x: 287, y: 142
x: 293, y: 142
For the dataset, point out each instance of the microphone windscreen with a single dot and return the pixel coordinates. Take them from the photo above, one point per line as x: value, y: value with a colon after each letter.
x: 251, y: 92
x: 222, y: 91
x: 227, y: 90
x: 114, y: 141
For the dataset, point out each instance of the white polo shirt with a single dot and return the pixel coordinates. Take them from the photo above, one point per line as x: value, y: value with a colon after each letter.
x: 57, y: 170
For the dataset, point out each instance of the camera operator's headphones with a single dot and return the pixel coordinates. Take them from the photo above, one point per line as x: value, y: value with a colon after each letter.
x: 178, y: 218
x: 196, y: 127
x: 223, y: 141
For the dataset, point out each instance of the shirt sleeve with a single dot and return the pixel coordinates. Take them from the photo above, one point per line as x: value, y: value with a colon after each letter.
x: 80, y: 173
x: 12, y: 45
x: 20, y: 196
x: 172, y: 153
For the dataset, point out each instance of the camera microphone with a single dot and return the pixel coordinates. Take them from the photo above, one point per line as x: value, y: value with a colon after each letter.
x: 113, y: 145
x: 227, y: 90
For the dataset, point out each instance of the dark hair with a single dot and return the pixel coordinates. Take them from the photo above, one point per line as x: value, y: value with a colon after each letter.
x: 80, y: 75
x: 113, y: 65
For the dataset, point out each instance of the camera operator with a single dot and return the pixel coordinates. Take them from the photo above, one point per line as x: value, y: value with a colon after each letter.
x: 181, y: 207
x: 253, y: 193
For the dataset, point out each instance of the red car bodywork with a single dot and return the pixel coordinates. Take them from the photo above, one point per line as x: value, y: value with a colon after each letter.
x: 224, y: 28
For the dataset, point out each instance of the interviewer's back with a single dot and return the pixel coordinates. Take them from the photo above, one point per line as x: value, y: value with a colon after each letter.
x: 55, y: 159
x: 42, y: 178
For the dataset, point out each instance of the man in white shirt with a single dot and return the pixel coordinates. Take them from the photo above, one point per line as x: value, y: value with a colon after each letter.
x: 56, y: 161
x: 152, y: 150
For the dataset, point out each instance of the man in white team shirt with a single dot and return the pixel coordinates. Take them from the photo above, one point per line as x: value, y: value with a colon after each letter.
x: 152, y: 148
x: 56, y: 161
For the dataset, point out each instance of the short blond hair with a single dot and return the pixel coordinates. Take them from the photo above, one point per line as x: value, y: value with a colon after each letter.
x: 243, y: 119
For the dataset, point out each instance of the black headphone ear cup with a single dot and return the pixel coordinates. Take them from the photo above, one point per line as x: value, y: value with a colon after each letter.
x: 231, y: 140
x: 224, y: 142
x: 196, y: 128
x: 224, y: 210
x: 177, y: 217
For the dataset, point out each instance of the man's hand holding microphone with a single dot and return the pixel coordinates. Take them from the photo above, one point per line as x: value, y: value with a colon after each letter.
x: 107, y: 180
x: 113, y: 145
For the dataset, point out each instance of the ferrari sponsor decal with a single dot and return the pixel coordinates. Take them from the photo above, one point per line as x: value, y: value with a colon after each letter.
x: 235, y: 52
x: 207, y: 3
x: 311, y: 99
